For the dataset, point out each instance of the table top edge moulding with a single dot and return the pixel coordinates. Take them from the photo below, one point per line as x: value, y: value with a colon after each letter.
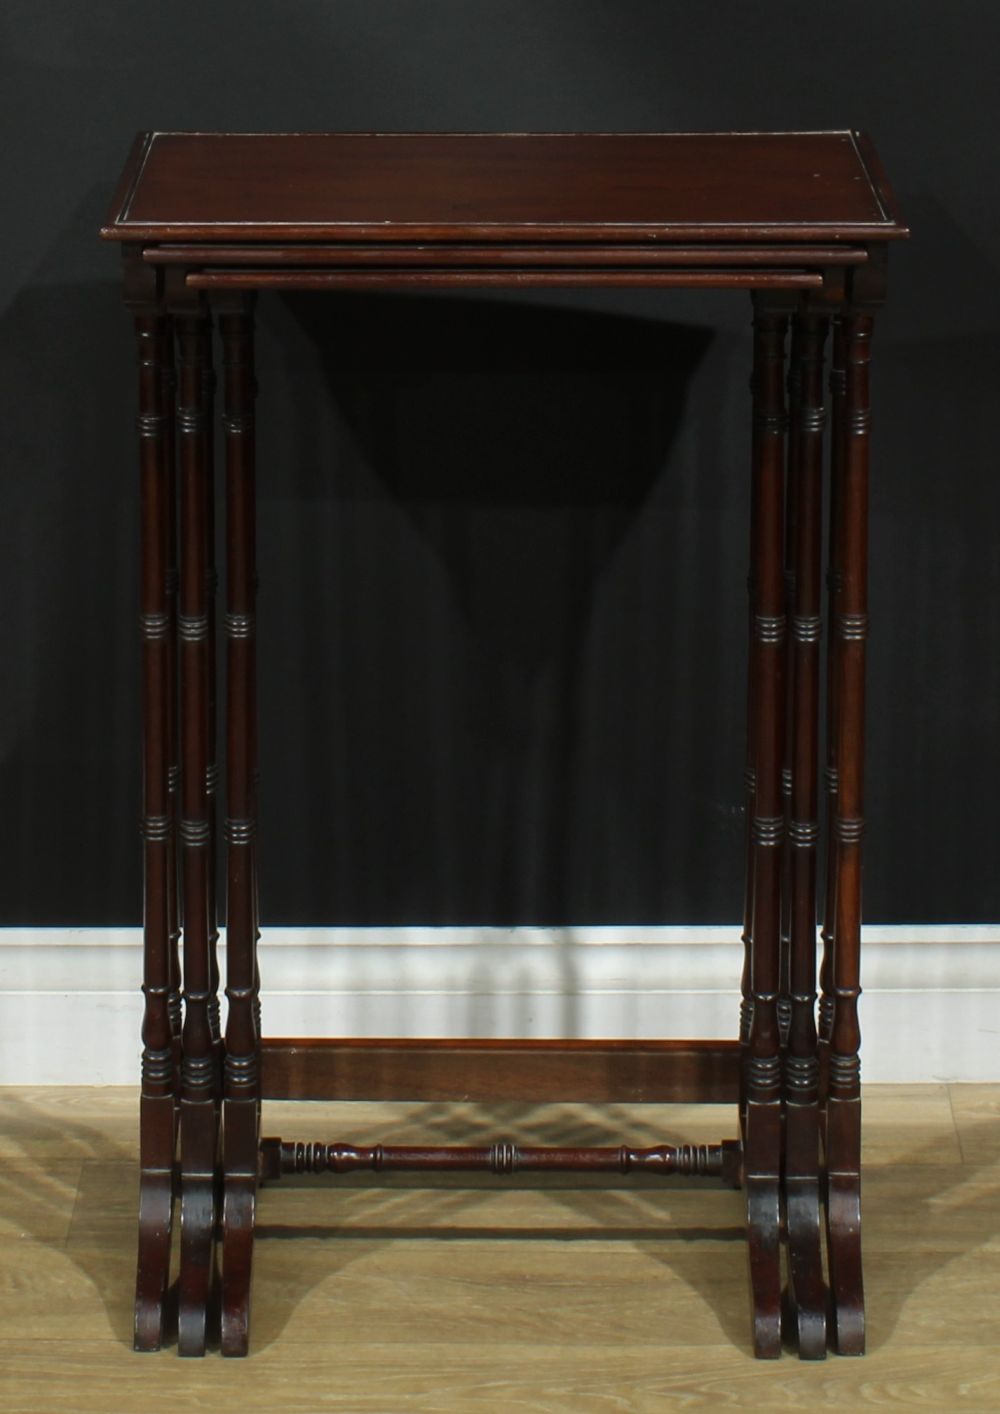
x: 619, y: 188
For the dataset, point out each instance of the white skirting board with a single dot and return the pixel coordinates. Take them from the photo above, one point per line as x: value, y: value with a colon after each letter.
x: 70, y: 1009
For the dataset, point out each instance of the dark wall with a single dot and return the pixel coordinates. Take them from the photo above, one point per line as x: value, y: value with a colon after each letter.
x: 501, y: 541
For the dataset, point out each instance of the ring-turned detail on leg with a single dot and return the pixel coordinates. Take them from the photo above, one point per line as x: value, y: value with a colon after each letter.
x: 169, y: 385
x: 826, y: 998
x: 212, y: 769
x: 750, y: 797
x: 157, y: 1127
x: 843, y: 1101
x: 802, y: 1189
x: 241, y: 1106
x: 762, y: 1158
x: 793, y: 385
x: 199, y: 1118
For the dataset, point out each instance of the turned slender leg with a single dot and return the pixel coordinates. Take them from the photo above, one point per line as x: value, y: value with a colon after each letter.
x: 241, y: 1105
x: 199, y: 1127
x: 169, y: 383
x: 212, y: 769
x: 763, y: 1139
x: 255, y: 782
x: 802, y: 1193
x: 750, y: 785
x: 850, y: 626
x: 212, y: 784
x: 794, y: 386
x: 157, y: 1134
x: 826, y: 998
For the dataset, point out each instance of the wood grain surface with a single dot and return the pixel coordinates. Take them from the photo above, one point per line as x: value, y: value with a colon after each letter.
x: 498, y: 186
x: 466, y: 1293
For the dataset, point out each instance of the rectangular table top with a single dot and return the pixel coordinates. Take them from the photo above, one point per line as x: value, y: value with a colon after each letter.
x: 503, y: 187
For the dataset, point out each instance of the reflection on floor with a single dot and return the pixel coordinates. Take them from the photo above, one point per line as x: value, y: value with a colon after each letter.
x: 471, y: 1293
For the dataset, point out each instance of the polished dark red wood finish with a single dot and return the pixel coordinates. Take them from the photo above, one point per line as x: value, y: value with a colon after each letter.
x: 160, y: 1036
x: 762, y: 1164
x: 802, y: 221
x: 543, y: 1072
x: 241, y: 1117
x: 801, y: 1079
x: 850, y: 631
x: 502, y: 1157
x: 495, y: 186
x: 199, y: 1116
x: 459, y: 256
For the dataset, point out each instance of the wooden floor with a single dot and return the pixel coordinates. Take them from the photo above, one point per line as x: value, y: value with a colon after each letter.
x: 458, y: 1294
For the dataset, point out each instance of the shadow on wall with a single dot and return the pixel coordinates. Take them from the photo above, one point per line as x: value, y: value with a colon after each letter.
x: 510, y: 592
x: 69, y: 742
x: 502, y: 548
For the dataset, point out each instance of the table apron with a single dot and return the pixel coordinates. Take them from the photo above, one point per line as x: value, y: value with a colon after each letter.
x: 255, y: 279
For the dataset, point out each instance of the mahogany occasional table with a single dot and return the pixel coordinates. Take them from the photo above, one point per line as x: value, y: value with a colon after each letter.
x: 802, y: 221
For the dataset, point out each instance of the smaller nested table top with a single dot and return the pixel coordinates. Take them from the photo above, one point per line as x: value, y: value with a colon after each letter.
x: 503, y: 187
